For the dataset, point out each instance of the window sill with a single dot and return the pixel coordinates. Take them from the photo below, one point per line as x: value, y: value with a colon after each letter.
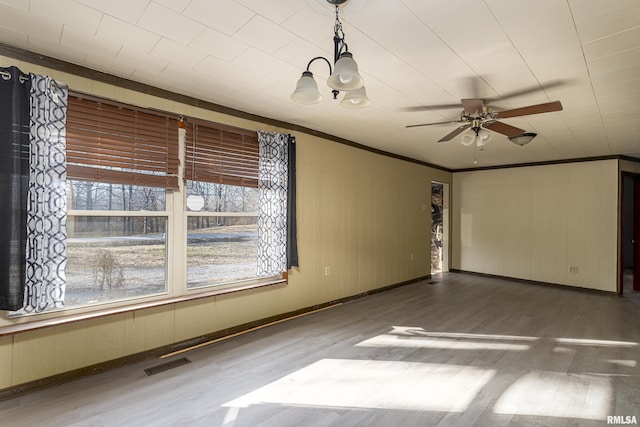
x: 62, y: 320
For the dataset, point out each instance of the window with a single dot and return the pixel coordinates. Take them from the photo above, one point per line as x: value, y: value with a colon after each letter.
x: 120, y: 162
x: 138, y: 225
x: 221, y: 170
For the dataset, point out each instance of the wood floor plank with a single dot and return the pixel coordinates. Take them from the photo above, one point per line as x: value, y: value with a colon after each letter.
x: 469, y: 350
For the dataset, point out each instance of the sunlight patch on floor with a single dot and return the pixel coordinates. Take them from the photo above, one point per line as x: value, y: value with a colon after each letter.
x: 629, y: 363
x: 562, y: 350
x: 411, y: 337
x: 416, y: 337
x: 386, y: 340
x: 598, y: 343
x: 555, y: 394
x: 374, y: 384
x: 231, y: 416
x: 420, y: 332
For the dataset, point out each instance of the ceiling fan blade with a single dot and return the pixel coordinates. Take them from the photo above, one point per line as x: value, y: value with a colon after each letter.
x: 503, y: 128
x: 531, y: 109
x: 457, y: 131
x: 472, y: 106
x: 449, y: 122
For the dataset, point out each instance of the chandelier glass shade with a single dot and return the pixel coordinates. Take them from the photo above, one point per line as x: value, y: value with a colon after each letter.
x: 306, y: 90
x: 345, y: 74
x: 355, y: 98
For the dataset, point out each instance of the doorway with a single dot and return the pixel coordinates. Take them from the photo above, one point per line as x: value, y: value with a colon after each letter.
x: 439, y: 227
x: 630, y: 237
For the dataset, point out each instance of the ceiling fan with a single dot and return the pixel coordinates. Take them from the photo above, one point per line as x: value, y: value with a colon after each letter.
x: 478, y: 116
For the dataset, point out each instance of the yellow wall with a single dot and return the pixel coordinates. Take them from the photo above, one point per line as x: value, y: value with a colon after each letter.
x: 535, y: 222
x: 361, y: 214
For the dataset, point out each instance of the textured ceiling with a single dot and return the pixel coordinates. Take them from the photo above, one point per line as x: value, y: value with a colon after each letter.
x: 248, y: 55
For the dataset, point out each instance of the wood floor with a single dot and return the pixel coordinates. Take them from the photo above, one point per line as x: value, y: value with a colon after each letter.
x: 465, y: 351
x: 627, y: 283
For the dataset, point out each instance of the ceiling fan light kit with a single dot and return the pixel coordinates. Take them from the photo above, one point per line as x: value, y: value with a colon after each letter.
x: 344, y: 76
x: 479, y: 137
x: 467, y: 139
x: 523, y: 139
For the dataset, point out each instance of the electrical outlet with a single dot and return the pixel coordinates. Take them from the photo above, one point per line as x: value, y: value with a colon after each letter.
x: 573, y: 269
x: 411, y: 256
x: 327, y: 270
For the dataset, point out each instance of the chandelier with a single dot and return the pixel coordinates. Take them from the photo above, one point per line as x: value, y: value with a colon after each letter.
x: 344, y: 75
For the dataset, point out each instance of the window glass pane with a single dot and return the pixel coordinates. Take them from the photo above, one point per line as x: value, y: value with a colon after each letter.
x: 224, y: 198
x: 114, y: 258
x: 222, y: 248
x: 90, y: 195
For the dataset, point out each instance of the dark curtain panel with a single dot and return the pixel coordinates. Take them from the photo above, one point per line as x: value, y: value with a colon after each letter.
x: 292, y: 225
x: 14, y: 184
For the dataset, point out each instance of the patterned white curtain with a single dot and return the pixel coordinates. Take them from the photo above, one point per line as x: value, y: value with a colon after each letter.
x: 47, y: 197
x: 272, y: 200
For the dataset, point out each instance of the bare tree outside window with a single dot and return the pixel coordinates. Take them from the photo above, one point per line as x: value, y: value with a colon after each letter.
x: 114, y: 257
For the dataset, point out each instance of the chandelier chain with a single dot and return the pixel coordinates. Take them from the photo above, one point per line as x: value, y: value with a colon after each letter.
x: 339, y: 33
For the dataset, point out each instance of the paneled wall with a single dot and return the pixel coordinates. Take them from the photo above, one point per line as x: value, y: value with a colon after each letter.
x: 553, y: 223
x: 363, y: 215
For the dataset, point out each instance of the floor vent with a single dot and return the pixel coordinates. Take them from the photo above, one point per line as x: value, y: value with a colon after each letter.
x: 166, y: 366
